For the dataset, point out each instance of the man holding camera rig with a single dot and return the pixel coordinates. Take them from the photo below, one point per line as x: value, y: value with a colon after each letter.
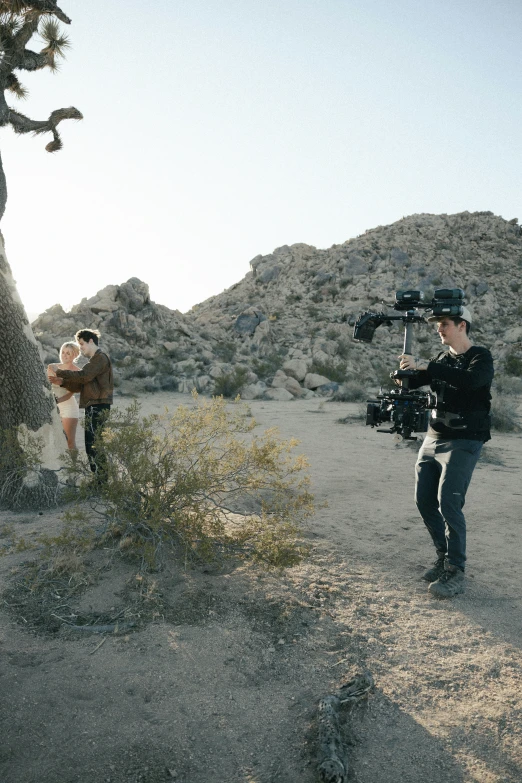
x: 459, y: 426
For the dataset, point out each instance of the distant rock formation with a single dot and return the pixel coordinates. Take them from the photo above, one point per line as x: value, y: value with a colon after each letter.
x: 285, y: 330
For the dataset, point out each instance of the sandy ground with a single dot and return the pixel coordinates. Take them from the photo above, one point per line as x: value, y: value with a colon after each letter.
x: 223, y: 686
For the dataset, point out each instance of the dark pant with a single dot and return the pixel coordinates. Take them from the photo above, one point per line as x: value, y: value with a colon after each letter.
x: 443, y: 472
x: 95, y: 416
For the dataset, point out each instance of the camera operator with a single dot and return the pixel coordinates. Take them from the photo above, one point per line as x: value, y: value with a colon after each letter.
x: 459, y: 426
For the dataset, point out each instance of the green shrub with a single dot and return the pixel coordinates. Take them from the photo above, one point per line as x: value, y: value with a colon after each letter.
x: 162, y: 365
x: 183, y: 480
x: 334, y: 372
x: 508, y: 384
x: 513, y: 365
x: 229, y: 384
x: 343, y: 348
x: 167, y: 382
x: 504, y: 414
x: 225, y: 351
x: 351, y: 391
x: 268, y: 365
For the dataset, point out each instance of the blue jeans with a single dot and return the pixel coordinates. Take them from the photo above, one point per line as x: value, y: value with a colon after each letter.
x: 443, y: 472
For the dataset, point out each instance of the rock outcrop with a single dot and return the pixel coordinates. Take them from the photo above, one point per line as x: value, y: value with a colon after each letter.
x: 285, y: 330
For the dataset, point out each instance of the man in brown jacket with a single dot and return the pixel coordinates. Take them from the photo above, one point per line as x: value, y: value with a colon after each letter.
x: 96, y: 384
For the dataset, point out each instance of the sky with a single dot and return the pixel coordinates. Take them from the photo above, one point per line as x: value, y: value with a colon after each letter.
x: 217, y: 131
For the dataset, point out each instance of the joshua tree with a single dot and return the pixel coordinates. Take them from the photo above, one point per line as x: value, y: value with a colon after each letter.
x: 26, y: 401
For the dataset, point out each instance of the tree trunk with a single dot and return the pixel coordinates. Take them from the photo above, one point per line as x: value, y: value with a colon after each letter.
x: 27, y: 405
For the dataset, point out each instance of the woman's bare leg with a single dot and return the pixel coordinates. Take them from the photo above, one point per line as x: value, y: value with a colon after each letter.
x: 69, y: 428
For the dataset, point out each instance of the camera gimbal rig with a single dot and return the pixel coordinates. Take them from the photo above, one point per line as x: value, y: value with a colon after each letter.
x: 408, y: 410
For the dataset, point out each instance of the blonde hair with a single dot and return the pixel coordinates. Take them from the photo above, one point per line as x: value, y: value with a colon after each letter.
x: 73, y: 346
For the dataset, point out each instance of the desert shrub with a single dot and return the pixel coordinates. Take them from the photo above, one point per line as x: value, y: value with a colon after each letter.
x: 333, y: 291
x: 167, y: 382
x: 504, y: 414
x: 351, y: 391
x: 268, y: 365
x: 382, y: 376
x: 513, y: 365
x: 229, y: 384
x: 334, y: 372
x: 136, y: 371
x: 162, y: 364
x: 343, y: 348
x: 225, y: 351
x: 176, y: 480
x: 508, y: 384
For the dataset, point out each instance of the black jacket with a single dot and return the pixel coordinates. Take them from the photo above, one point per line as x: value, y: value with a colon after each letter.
x: 462, y: 384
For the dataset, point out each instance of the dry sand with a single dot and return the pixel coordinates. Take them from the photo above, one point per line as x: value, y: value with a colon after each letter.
x: 223, y: 686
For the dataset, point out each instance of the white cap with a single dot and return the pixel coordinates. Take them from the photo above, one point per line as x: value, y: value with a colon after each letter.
x: 466, y: 316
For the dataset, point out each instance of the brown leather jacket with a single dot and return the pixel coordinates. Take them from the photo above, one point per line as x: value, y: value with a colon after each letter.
x: 94, y: 381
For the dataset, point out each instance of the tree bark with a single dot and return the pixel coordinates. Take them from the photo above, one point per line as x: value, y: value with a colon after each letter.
x: 27, y: 403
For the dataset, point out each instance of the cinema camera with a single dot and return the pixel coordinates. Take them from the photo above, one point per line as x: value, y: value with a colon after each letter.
x: 408, y: 410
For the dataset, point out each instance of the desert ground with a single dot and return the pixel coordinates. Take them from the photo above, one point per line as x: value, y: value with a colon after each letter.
x: 223, y: 686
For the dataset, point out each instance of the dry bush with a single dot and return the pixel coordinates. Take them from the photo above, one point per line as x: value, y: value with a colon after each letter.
x: 200, y: 479
x: 351, y: 391
x: 504, y: 413
x: 508, y: 384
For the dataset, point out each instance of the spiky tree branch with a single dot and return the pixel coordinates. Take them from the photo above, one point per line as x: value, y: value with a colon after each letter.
x: 19, y: 21
x: 22, y: 7
x: 22, y: 124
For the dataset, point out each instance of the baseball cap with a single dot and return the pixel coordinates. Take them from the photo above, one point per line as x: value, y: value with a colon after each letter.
x: 465, y: 315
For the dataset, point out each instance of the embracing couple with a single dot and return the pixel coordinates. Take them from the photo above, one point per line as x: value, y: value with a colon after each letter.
x: 95, y: 384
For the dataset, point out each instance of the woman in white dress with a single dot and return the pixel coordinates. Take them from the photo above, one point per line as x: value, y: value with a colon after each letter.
x: 67, y: 402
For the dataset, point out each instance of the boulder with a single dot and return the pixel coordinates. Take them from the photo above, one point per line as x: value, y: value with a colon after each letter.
x: 269, y: 273
x: 253, y: 391
x: 262, y: 333
x: 321, y: 278
x: 313, y: 380
x: 278, y: 394
x: 280, y: 379
x: 328, y: 347
x: 321, y: 357
x: 293, y: 386
x: 217, y: 370
x: 307, y: 394
x: 133, y: 295
x: 513, y: 335
x: 296, y: 368
x: 327, y: 388
x: 355, y: 265
x: 246, y: 323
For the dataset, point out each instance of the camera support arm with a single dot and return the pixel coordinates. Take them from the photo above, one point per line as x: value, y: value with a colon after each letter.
x: 409, y: 319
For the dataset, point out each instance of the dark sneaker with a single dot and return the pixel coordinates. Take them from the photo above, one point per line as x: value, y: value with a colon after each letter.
x: 436, y: 571
x: 449, y: 584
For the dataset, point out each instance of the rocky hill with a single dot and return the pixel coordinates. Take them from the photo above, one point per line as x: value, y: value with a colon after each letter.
x: 285, y: 330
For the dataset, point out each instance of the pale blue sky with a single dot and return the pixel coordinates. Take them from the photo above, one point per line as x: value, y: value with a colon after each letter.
x: 215, y: 131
